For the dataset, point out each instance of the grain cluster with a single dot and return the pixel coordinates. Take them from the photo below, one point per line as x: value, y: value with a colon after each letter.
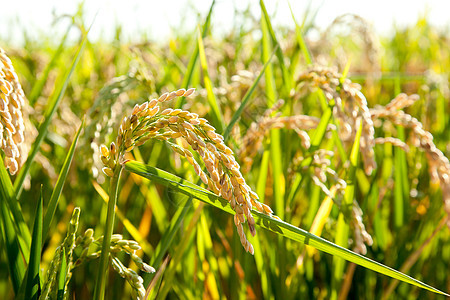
x: 182, y: 130
x: 12, y: 127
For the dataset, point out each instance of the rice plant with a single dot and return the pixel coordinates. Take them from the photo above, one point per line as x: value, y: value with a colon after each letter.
x: 245, y: 165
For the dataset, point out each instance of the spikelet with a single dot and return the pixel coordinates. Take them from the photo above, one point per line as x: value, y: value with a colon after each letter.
x: 118, y: 245
x: 12, y: 127
x: 222, y: 175
x: 253, y: 138
x: 350, y: 105
x: 438, y: 163
x: 350, y: 108
x: 50, y: 287
x: 362, y: 237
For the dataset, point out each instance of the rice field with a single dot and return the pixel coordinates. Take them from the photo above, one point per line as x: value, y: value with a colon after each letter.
x: 257, y: 164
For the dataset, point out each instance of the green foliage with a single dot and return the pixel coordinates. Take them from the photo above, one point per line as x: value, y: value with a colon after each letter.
x: 193, y: 245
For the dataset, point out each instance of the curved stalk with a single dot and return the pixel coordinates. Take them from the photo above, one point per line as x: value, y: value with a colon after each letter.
x: 104, y: 257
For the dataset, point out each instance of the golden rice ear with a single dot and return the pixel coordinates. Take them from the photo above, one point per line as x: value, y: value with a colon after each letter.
x: 222, y: 175
x: 438, y: 163
x: 12, y: 100
x: 329, y: 81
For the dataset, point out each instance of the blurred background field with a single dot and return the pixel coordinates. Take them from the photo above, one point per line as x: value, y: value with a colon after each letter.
x: 401, y: 201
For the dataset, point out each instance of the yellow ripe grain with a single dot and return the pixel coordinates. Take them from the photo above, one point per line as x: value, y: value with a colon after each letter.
x: 152, y: 103
x: 180, y: 92
x: 167, y: 111
x: 104, y: 150
x: 163, y: 97
x: 108, y: 172
x: 189, y: 92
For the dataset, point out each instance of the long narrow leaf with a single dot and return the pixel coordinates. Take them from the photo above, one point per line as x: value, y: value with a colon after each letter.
x: 16, y: 264
x: 168, y: 236
x: 43, y: 127
x: 280, y: 227
x: 287, y: 78
x: 191, y: 65
x: 146, y: 247
x: 237, y: 114
x: 301, y: 41
x: 178, y: 255
x: 62, y: 275
x: 342, y: 227
x: 39, y: 84
x: 217, y: 119
x: 20, y: 228
x: 33, y: 281
x: 54, y: 199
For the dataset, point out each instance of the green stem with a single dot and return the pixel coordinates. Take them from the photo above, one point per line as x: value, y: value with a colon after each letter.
x: 104, y: 257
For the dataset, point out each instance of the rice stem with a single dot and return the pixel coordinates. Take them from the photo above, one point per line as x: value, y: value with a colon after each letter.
x: 104, y: 257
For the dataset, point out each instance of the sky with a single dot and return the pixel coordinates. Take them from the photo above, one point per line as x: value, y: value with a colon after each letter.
x: 157, y: 19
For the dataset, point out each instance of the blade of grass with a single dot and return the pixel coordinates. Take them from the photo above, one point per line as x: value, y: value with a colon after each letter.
x: 321, y: 217
x: 32, y: 288
x: 178, y: 255
x: 102, y: 272
x: 248, y: 94
x: 316, y: 140
x: 401, y: 186
x: 213, y: 276
x: 38, y: 86
x: 212, y: 100
x: 280, y: 227
x: 54, y: 199
x: 20, y: 228
x: 275, y: 140
x: 276, y: 162
x: 263, y: 268
x: 149, y: 191
x: 287, y: 78
x: 168, y: 237
x: 192, y: 61
x: 301, y: 41
x: 413, y: 258
x: 14, y: 255
x: 146, y: 247
x: 343, y: 228
x: 62, y: 275
x: 43, y: 127
x: 263, y: 173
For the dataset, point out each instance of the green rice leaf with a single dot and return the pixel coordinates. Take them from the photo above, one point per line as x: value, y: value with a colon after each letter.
x: 19, y: 226
x: 14, y: 255
x: 343, y: 227
x: 168, y: 237
x: 280, y: 227
x: 287, y: 78
x: 192, y: 61
x: 43, y: 127
x: 33, y: 282
x: 40, y: 83
x: 15, y: 241
x: 301, y: 41
x: 248, y: 94
x: 62, y: 275
x: 178, y: 256
x: 217, y: 120
x: 54, y: 199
